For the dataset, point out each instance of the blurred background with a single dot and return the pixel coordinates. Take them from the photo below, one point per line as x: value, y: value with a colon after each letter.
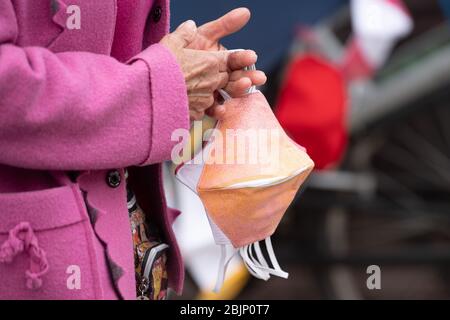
x: 370, y: 100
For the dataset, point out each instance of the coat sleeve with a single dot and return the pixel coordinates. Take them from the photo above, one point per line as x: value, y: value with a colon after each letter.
x: 84, y: 111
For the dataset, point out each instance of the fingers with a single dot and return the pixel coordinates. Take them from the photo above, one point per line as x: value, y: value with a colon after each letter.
x: 237, y: 85
x: 238, y: 88
x: 205, y: 80
x: 222, y: 60
x: 242, y: 80
x: 257, y: 77
x: 231, y: 61
x: 228, y: 24
x: 223, y: 80
x: 240, y: 59
x: 199, y: 103
x: 217, y: 111
x: 196, y: 115
x: 184, y: 34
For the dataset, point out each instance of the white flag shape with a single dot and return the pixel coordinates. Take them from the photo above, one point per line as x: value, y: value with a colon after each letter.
x: 378, y: 25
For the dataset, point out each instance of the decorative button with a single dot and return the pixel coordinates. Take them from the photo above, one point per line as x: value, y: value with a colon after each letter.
x: 113, y: 178
x: 157, y: 14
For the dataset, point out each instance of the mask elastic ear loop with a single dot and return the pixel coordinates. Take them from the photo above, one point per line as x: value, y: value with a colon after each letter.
x: 260, y: 255
x: 248, y: 263
x: 223, y: 266
x: 256, y: 271
x: 262, y: 265
x: 225, y: 95
x: 265, y: 270
x: 222, y: 269
x: 274, y: 261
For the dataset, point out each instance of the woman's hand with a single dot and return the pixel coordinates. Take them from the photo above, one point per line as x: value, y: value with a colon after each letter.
x: 208, y: 37
x: 204, y: 71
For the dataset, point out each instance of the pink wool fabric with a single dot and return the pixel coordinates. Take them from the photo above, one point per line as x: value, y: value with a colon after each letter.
x: 69, y: 102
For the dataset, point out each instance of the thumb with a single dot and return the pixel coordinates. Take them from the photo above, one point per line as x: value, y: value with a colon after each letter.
x: 184, y: 34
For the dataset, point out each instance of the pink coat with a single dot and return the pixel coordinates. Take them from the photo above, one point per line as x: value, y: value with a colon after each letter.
x: 66, y: 105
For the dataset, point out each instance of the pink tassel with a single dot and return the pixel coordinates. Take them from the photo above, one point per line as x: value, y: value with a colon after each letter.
x: 22, y: 238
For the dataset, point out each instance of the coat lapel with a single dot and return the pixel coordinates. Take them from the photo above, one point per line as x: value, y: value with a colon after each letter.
x: 97, y: 25
x: 98, y: 19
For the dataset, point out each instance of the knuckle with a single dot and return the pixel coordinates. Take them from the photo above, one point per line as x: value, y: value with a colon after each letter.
x: 206, y: 102
x: 226, y: 79
x: 199, y: 116
x: 212, y: 85
x: 196, y: 103
x: 210, y: 60
x: 193, y: 100
x: 215, y: 84
x: 210, y: 101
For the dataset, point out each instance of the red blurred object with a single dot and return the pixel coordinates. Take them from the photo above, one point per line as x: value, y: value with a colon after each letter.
x: 312, y: 108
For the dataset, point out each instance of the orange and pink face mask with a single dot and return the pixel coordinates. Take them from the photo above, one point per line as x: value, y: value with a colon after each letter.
x: 246, y: 174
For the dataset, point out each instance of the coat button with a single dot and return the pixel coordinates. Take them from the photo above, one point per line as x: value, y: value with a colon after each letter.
x: 157, y: 13
x: 113, y: 178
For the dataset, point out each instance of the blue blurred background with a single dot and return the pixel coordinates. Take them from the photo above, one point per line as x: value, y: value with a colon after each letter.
x: 272, y: 25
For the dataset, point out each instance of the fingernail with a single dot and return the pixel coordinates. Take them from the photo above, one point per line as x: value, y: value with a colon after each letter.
x: 189, y: 24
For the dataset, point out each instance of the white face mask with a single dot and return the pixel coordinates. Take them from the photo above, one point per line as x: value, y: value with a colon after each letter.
x: 250, y: 195
x: 189, y: 175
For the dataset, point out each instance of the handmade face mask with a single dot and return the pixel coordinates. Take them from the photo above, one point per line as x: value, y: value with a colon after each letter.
x: 247, y: 174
